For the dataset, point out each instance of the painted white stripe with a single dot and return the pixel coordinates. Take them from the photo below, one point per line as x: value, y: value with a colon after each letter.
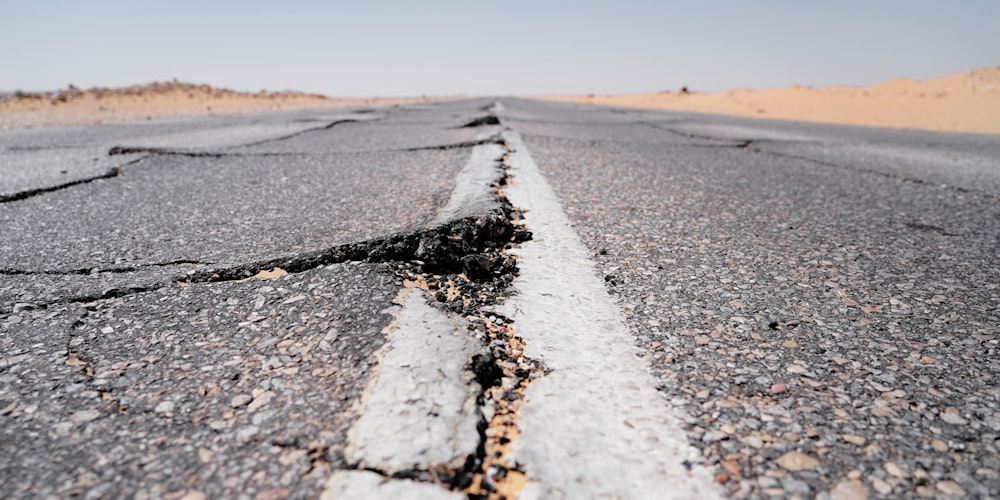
x: 364, y: 485
x: 420, y: 410
x: 595, y: 426
x: 472, y: 185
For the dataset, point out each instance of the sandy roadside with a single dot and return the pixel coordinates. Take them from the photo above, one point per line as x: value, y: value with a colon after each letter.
x: 157, y: 100
x: 964, y: 102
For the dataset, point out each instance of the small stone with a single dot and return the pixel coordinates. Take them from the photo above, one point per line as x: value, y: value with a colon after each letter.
x: 796, y: 461
x: 712, y: 437
x: 767, y: 482
x: 240, y: 400
x: 950, y: 488
x: 880, y: 486
x: 193, y: 495
x: 796, y: 369
x: 732, y: 467
x: 84, y: 416
x: 794, y: 486
x: 722, y: 478
x: 247, y: 433
x: 925, y: 491
x: 939, y: 445
x: 894, y: 470
x: 926, y: 360
x: 701, y: 340
x: 753, y: 440
x: 205, y: 455
x: 952, y: 416
x: 789, y: 344
x: 778, y: 389
x: 62, y: 428
x: 851, y: 438
x: 850, y: 489
x: 164, y: 407
x: 107, y: 330
x: 990, y: 473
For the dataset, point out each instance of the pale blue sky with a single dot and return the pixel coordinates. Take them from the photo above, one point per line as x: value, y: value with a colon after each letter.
x: 362, y: 48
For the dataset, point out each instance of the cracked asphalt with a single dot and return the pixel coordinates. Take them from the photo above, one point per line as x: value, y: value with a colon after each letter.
x: 822, y: 301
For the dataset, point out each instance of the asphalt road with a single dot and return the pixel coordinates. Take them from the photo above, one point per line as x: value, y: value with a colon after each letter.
x: 814, y: 308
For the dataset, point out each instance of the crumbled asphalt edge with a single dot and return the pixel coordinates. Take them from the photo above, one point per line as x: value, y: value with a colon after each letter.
x: 481, y: 121
x: 471, y: 245
x: 465, y: 266
x: 501, y: 369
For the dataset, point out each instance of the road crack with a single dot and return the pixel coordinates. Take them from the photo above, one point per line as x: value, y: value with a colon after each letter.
x: 22, y: 195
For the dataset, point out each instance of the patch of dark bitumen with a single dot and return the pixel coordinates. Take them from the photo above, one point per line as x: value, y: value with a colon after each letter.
x: 467, y: 245
x: 482, y: 121
x: 21, y: 195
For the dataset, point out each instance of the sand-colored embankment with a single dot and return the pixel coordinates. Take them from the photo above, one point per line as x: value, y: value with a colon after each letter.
x: 964, y: 102
x: 74, y: 106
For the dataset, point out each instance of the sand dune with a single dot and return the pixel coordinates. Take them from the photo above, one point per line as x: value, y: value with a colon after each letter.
x: 74, y: 106
x: 964, y: 102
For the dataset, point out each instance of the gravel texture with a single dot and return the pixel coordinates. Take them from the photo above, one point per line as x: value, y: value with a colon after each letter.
x: 225, y: 388
x: 831, y: 330
x: 119, y: 379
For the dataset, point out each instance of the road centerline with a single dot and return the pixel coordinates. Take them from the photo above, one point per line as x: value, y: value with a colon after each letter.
x: 595, y: 425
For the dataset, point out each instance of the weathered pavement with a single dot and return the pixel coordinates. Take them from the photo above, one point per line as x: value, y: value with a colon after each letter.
x: 560, y: 302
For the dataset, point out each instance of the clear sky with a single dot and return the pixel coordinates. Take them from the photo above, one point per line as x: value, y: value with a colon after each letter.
x: 393, y: 48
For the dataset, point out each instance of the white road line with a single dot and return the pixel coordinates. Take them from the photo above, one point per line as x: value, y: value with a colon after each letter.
x: 364, y: 485
x: 595, y: 426
x: 472, y: 185
x: 420, y: 409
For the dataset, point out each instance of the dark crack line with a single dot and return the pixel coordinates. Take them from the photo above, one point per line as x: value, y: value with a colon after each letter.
x: 117, y: 150
x: 689, y: 135
x: 494, y: 139
x: 120, y: 150
x: 301, y: 132
x: 886, y: 175
x: 750, y: 145
x: 469, y: 245
x: 22, y: 195
x: 734, y: 145
x: 98, y: 270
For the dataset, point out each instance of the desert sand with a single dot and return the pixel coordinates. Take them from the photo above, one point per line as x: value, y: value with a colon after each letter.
x: 74, y: 106
x: 964, y: 102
